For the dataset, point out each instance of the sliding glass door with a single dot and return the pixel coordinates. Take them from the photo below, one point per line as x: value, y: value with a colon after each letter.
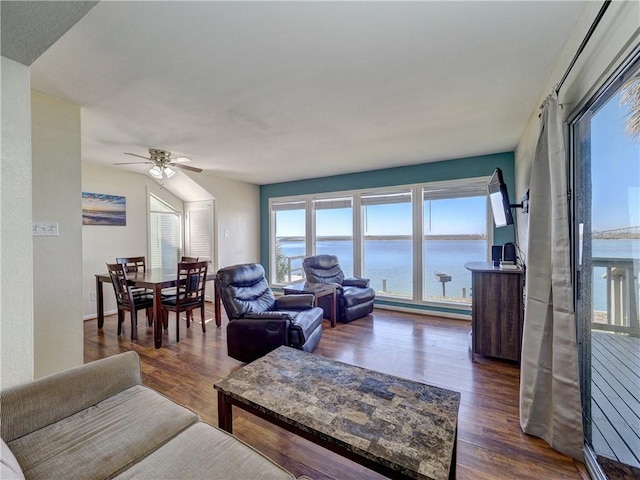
x: 606, y: 143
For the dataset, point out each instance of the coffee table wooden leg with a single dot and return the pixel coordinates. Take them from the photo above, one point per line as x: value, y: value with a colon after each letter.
x: 225, y: 416
x: 454, y: 456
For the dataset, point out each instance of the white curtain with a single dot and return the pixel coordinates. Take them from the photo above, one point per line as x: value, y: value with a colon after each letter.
x: 550, y: 405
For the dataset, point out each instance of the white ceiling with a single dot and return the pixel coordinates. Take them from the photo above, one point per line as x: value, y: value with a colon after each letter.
x: 276, y: 91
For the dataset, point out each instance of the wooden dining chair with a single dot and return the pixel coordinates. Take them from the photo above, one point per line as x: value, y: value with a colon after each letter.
x: 133, y: 264
x: 190, y: 292
x: 125, y: 299
x: 171, y: 291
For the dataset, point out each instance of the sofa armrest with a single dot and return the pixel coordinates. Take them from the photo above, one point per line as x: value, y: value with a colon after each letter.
x: 34, y: 405
x: 356, y: 282
x: 300, y: 301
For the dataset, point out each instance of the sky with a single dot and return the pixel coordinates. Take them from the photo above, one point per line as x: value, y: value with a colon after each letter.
x: 615, y: 169
x: 464, y: 215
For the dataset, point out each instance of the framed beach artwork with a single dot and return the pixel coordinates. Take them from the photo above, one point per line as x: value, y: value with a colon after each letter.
x: 101, y: 209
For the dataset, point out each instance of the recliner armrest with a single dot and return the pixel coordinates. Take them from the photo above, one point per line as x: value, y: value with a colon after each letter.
x: 356, y: 282
x: 270, y: 316
x: 300, y: 301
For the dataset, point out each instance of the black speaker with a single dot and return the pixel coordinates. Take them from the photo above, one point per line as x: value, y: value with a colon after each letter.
x: 509, y: 252
x: 496, y: 254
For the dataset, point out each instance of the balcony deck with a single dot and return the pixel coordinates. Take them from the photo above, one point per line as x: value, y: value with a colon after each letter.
x: 615, y: 393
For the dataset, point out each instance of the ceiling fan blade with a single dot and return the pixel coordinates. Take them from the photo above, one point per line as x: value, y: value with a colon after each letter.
x: 186, y: 167
x: 180, y: 160
x: 136, y: 155
x: 132, y: 163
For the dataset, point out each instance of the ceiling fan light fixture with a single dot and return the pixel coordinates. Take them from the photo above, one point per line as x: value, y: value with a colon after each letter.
x: 156, y: 172
x: 168, y: 172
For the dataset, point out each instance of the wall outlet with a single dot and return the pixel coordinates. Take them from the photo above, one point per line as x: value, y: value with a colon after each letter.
x: 92, y: 296
x: 45, y: 229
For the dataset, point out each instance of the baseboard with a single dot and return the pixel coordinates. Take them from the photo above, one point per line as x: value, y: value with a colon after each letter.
x: 93, y: 316
x: 423, y: 311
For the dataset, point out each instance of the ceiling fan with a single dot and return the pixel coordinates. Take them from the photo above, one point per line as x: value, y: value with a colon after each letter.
x: 162, y: 163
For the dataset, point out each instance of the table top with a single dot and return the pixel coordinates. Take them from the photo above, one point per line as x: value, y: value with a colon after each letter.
x: 408, y: 426
x: 153, y: 277
x: 307, y: 287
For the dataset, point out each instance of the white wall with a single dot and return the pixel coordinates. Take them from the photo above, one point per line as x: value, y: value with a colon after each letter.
x: 16, y: 266
x: 102, y: 244
x: 237, y: 215
x: 613, y: 40
x: 237, y: 222
x: 57, y: 260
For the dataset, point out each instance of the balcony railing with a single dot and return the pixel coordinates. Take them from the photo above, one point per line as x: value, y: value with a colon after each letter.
x: 621, y: 293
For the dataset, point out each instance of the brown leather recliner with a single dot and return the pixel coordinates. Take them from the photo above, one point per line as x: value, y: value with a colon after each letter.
x: 259, y: 322
x: 354, y: 296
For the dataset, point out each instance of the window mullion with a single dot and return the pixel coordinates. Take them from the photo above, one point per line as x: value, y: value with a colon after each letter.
x: 418, y: 261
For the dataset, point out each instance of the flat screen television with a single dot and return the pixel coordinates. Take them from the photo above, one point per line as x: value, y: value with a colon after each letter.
x: 499, y: 199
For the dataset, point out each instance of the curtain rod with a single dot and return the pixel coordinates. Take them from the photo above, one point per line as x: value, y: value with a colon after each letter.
x: 587, y: 37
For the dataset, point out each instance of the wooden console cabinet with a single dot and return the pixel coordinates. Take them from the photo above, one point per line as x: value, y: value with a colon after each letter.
x: 497, y: 312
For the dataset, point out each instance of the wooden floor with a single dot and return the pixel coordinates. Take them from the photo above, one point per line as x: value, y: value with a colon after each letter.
x: 615, y: 393
x: 427, y: 349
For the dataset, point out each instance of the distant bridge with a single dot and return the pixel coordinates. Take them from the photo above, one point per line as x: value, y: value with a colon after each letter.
x: 624, y: 232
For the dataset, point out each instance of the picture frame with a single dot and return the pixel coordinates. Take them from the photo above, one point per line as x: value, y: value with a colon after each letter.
x: 104, y: 209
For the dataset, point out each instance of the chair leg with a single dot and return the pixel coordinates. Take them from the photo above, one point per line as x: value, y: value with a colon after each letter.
x: 189, y: 317
x: 150, y: 317
x: 134, y: 324
x: 204, y: 325
x: 120, y: 321
x: 164, y: 315
x: 177, y: 325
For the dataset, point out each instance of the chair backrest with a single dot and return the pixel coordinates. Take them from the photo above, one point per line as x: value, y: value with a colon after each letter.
x: 118, y: 274
x: 192, y: 281
x: 133, y: 264
x: 189, y: 259
x: 244, y: 289
x: 323, y: 269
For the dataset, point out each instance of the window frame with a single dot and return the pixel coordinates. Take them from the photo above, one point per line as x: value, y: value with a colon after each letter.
x: 358, y: 231
x: 168, y: 210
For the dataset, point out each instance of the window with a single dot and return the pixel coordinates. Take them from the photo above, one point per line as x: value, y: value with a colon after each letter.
x: 387, y: 227
x: 334, y: 230
x: 399, y: 238
x: 455, y: 232
x: 165, y: 234
x: 290, y: 247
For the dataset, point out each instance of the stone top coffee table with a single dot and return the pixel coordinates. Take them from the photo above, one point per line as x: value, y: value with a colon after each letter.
x: 397, y: 427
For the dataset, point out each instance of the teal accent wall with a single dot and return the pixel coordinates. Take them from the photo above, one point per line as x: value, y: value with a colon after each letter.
x: 468, y: 167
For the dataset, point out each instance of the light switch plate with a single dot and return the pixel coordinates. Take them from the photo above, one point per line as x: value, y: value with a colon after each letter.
x: 45, y: 229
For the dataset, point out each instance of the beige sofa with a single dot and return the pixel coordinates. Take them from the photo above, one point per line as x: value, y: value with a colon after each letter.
x: 98, y: 421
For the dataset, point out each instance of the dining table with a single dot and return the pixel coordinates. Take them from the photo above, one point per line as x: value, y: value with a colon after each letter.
x: 155, y: 279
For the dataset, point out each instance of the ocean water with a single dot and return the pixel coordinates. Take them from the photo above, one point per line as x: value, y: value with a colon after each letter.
x: 388, y: 263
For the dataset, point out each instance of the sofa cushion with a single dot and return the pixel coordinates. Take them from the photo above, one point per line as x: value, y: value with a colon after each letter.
x: 104, y: 439
x: 34, y: 405
x: 204, y: 451
x: 9, y: 466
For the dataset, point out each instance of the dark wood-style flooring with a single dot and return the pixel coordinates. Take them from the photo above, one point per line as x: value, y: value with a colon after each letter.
x: 426, y: 349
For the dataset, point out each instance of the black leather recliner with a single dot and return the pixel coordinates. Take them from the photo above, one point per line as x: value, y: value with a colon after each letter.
x: 354, y: 296
x: 259, y: 322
